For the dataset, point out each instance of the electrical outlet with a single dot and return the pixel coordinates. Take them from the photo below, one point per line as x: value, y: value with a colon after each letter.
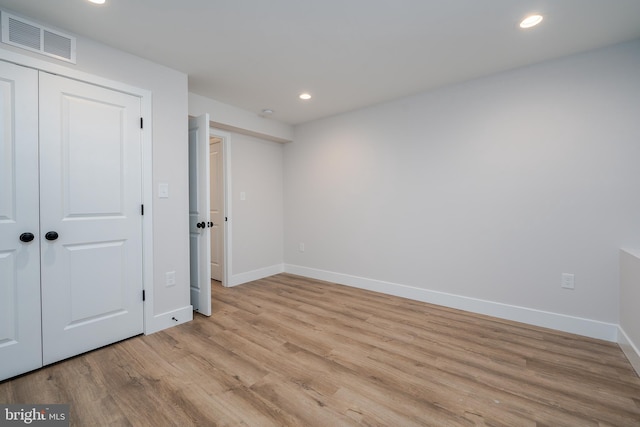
x: 300, y: 247
x: 567, y: 281
x: 170, y: 278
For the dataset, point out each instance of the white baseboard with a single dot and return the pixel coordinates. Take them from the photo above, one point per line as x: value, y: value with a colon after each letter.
x: 630, y: 349
x: 560, y: 322
x: 249, y: 276
x: 169, y: 319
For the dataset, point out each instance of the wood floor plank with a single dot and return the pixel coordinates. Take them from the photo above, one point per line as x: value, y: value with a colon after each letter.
x: 292, y: 351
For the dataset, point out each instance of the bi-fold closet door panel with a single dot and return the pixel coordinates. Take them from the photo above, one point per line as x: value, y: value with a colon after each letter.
x: 20, y: 335
x: 78, y: 189
x: 90, y: 197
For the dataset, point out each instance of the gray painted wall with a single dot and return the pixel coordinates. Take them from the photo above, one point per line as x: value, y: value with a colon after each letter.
x: 489, y: 189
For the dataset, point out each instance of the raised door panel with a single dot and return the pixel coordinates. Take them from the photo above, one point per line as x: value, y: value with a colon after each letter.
x: 20, y: 344
x: 91, y: 192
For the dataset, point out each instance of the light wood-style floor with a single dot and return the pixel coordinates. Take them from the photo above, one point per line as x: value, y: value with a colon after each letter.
x: 293, y: 351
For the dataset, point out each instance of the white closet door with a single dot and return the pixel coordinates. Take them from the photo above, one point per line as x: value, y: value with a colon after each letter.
x: 20, y: 345
x: 91, y: 224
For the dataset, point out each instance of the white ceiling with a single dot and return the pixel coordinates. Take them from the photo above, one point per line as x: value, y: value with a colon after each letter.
x: 258, y: 54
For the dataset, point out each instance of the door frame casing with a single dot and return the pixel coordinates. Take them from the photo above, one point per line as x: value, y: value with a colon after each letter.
x: 150, y: 323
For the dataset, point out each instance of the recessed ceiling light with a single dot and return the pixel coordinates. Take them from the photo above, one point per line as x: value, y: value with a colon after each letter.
x: 305, y: 96
x: 97, y: 1
x: 531, y: 21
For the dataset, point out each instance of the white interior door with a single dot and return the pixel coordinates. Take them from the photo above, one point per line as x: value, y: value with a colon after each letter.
x: 199, y: 221
x: 91, y: 223
x: 20, y: 334
x: 216, y: 214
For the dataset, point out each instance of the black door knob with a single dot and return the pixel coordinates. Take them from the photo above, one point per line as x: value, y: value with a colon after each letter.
x: 51, y: 235
x: 26, y: 237
x: 201, y: 224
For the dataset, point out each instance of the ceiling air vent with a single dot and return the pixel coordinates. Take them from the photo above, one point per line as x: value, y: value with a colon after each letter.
x: 36, y: 38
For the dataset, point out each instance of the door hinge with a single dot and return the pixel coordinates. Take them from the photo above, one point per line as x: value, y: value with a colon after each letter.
x: 141, y: 125
x: 141, y: 209
x: 143, y: 295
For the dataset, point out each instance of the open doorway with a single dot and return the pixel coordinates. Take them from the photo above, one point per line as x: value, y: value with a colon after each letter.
x: 216, y: 206
x: 219, y: 205
x: 209, y: 210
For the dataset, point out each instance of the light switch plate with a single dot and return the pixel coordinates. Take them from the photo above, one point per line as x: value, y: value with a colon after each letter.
x: 163, y: 190
x: 170, y: 278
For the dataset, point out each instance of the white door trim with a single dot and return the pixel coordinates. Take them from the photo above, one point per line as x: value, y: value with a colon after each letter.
x: 151, y: 324
x: 226, y: 161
